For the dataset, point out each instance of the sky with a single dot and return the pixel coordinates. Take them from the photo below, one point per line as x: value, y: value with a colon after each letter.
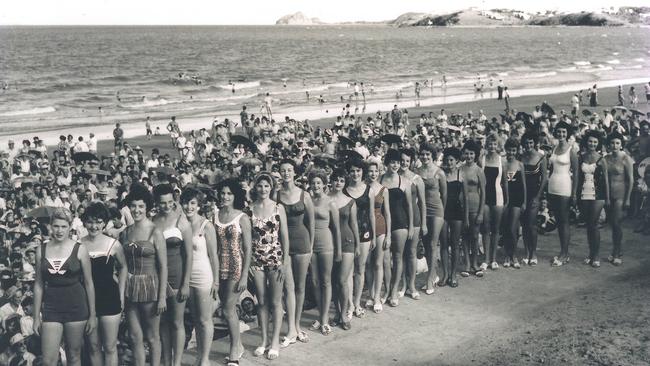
x: 254, y: 12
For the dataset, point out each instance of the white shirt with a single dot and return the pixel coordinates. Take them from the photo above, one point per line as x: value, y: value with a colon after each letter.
x: 92, y: 144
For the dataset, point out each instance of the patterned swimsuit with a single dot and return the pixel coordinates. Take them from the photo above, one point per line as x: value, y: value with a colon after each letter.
x: 267, y: 251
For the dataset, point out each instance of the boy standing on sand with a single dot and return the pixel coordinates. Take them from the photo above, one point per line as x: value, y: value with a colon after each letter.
x: 500, y: 88
x: 147, y: 126
x: 118, y: 135
x: 267, y: 105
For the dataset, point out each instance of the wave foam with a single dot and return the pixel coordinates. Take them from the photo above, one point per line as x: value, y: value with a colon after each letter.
x: 29, y: 111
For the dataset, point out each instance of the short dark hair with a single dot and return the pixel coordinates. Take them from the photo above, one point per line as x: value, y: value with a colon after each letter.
x: 138, y: 192
x: 392, y: 155
x: 95, y: 211
x: 161, y: 190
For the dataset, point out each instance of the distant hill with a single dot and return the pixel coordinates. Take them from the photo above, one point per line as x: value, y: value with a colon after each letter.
x: 473, y: 17
x: 298, y: 19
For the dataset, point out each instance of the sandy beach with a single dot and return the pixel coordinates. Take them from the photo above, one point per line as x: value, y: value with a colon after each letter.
x: 521, y: 100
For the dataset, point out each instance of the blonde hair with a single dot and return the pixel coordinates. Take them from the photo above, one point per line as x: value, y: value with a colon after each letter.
x: 61, y: 213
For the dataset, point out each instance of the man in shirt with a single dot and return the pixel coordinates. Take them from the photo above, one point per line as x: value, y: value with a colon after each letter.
x: 92, y: 143
x: 396, y: 116
x: 14, y: 295
x: 118, y: 136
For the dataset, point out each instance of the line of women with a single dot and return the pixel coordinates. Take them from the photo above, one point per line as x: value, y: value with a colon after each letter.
x: 354, y: 228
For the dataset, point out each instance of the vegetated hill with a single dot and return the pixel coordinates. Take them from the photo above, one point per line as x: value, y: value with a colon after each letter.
x: 579, y: 19
x: 439, y: 20
x: 298, y: 19
x: 408, y: 19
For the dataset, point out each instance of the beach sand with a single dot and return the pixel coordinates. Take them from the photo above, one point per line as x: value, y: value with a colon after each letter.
x: 607, y: 98
x: 522, y: 100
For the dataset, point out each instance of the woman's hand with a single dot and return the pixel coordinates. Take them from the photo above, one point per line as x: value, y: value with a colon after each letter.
x: 162, y: 306
x: 243, y: 283
x: 337, y: 256
x: 37, y: 324
x: 387, y: 242
x: 214, y: 291
x: 479, y: 218
x: 423, y: 229
x: 91, y: 324
x: 411, y: 233
x: 183, y: 293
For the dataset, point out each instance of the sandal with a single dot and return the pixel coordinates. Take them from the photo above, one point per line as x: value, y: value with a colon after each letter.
x: 259, y: 351
x: 286, y: 341
x: 479, y: 273
x: 533, y: 262
x: 273, y: 354
x: 241, y: 354
x: 326, y: 329
x: 452, y: 283
x: 595, y: 264
x: 359, y: 312
x: 232, y: 363
x: 315, y: 326
x: 484, y: 266
x: 415, y: 295
x: 377, y: 308
x: 556, y: 262
x: 506, y: 263
x: 347, y: 325
x: 525, y: 261
x: 516, y: 264
x: 394, y: 302
x: 494, y: 266
x: 617, y: 261
x: 587, y: 261
x: 302, y: 337
x: 464, y: 274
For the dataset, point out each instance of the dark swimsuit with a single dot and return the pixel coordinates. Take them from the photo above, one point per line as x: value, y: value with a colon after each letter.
x: 107, y: 291
x: 398, y: 207
x: 380, y: 220
x: 454, y: 207
x: 533, y: 175
x: 64, y: 296
x: 515, y: 189
x: 298, y: 234
x: 363, y: 214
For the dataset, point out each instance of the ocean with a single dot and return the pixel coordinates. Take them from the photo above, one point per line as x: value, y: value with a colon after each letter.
x: 55, y: 78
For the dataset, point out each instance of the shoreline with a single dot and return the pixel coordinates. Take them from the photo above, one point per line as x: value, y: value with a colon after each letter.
x: 318, y: 114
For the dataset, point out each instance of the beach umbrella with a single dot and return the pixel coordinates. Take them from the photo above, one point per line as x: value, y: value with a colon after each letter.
x: 98, y: 172
x: 350, y: 154
x: 251, y: 161
x: 637, y: 112
x: 391, y: 138
x: 20, y: 156
x: 35, y: 153
x: 41, y: 212
x: 523, y: 116
x: 165, y: 170
x: 586, y: 112
x: 24, y: 180
x: 243, y: 140
x: 620, y: 107
x: 345, y: 141
x: 325, y: 158
x: 547, y: 109
x: 80, y: 157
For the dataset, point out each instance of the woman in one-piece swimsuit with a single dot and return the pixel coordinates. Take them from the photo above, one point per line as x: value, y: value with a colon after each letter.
x: 455, y: 214
x: 620, y: 177
x: 419, y: 223
x: 327, y: 246
x: 593, y: 190
x: 300, y: 223
x: 380, y: 273
x: 106, y: 256
x: 496, y: 195
x: 435, y: 193
x: 365, y: 202
x: 474, y: 179
x: 516, y: 201
x: 399, y: 192
x: 536, y: 176
x: 349, y: 231
x: 178, y: 238
x: 562, y: 187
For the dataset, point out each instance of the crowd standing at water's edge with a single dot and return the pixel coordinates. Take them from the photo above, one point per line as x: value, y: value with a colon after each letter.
x: 132, y: 256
